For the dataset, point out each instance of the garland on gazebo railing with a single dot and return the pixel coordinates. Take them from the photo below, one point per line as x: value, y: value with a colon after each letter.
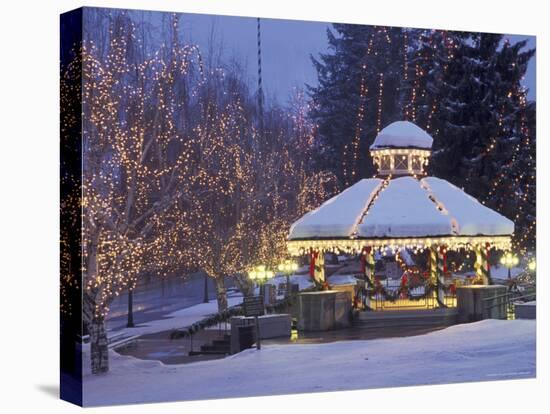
x: 406, y: 291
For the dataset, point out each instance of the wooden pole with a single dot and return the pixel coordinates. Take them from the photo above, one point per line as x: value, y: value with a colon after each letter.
x: 130, y: 322
x: 258, y: 340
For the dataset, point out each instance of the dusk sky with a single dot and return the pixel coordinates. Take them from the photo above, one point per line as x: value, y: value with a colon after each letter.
x: 286, y: 48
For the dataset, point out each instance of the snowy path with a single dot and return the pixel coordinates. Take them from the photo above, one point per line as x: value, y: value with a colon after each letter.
x: 486, y: 350
x: 178, y: 319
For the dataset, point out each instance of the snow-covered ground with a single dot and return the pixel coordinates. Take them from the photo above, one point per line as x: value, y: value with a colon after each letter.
x: 343, y: 279
x: 303, y: 281
x: 486, y: 350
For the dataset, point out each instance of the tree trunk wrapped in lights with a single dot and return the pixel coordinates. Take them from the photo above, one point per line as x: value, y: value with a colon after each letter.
x: 99, y: 346
x: 221, y: 293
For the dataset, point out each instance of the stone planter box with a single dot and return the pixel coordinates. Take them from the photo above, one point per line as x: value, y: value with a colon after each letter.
x: 323, y: 311
x: 475, y: 303
x: 271, y: 326
x: 526, y: 310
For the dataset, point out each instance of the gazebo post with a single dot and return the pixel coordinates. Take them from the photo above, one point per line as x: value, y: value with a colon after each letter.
x: 482, y: 263
x: 317, y: 266
x: 368, y: 260
x: 487, y: 249
x: 433, y: 267
x: 436, y: 275
x: 320, y: 267
x: 441, y: 268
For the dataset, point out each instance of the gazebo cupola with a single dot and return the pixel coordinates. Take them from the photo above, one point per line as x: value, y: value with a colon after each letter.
x: 402, y: 148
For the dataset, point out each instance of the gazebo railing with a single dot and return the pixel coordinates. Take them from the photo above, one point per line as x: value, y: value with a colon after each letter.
x: 509, y: 300
x: 380, y: 303
x: 416, y: 299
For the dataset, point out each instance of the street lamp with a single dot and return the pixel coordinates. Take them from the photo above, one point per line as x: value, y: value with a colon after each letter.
x: 288, y: 266
x: 532, y: 265
x: 509, y: 260
x: 259, y: 275
x: 205, y: 296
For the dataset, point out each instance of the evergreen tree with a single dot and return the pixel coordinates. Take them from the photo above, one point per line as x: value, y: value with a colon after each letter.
x: 512, y: 188
x: 481, y: 121
x: 360, y: 91
x: 465, y: 115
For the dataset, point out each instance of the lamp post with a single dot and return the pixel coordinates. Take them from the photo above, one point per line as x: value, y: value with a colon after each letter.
x: 509, y: 260
x: 259, y: 275
x: 205, y: 297
x: 130, y: 322
x: 287, y: 267
x: 532, y: 265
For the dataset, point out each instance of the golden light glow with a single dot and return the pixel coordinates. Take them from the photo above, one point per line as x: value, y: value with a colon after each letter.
x: 260, y: 274
x: 354, y: 246
x: 509, y: 260
x: 288, y: 266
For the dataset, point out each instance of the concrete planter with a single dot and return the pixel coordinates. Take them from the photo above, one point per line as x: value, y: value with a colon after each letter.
x: 526, y: 310
x: 271, y: 326
x: 323, y: 311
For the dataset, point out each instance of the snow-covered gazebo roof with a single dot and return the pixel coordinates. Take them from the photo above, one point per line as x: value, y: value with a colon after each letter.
x: 404, y: 212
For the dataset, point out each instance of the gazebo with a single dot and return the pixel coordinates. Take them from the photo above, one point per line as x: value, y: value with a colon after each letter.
x: 401, y: 208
